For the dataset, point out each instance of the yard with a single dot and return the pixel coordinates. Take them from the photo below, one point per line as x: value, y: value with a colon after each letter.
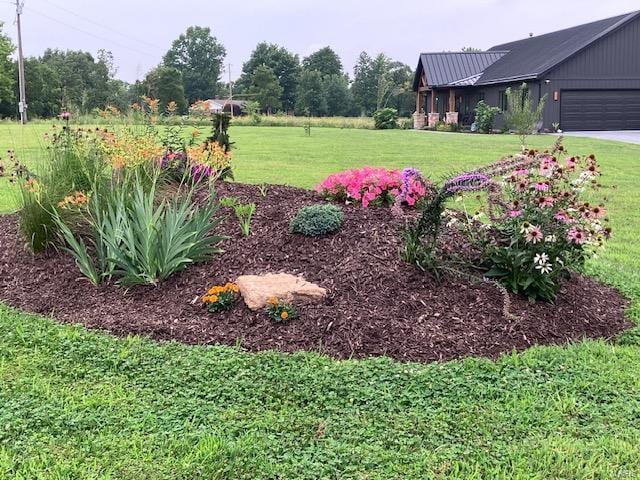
x: 80, y: 404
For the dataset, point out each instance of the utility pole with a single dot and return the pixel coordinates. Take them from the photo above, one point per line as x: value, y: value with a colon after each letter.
x: 22, y: 106
x: 230, y: 91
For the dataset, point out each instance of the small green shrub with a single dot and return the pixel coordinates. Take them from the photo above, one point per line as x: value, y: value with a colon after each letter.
x: 315, y: 220
x: 385, y: 119
x: 485, y: 116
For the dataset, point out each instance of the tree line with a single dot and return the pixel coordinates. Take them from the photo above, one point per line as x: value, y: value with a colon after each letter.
x: 273, y: 80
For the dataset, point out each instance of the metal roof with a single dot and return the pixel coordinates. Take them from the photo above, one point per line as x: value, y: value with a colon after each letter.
x: 447, y: 67
x: 514, y: 61
x: 534, y: 56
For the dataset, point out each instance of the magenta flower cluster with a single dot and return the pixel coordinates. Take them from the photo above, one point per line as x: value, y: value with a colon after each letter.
x: 414, y: 187
x: 375, y: 186
x: 201, y: 172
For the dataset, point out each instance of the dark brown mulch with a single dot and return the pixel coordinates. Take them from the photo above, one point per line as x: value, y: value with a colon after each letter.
x: 377, y: 304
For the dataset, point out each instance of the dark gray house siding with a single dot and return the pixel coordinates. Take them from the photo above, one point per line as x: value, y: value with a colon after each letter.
x: 594, y: 68
x: 610, y: 63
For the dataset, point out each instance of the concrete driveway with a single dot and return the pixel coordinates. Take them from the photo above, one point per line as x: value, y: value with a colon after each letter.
x: 629, y: 136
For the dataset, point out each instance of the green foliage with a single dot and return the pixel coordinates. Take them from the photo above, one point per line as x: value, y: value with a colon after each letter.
x: 310, y: 98
x: 337, y: 95
x: 198, y: 56
x: 229, y: 202
x: 74, y: 163
x: 244, y: 213
x: 485, y: 116
x: 253, y: 112
x: 385, y: 119
x: 325, y: 61
x: 279, y: 310
x: 520, y: 116
x: 379, y: 82
x: 446, y: 127
x: 220, y: 131
x: 266, y: 89
x: 138, y: 240
x: 315, y: 220
x: 165, y: 84
x: 284, y: 65
x: 6, y: 68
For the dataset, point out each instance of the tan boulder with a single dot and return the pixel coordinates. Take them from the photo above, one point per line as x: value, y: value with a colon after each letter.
x: 257, y: 289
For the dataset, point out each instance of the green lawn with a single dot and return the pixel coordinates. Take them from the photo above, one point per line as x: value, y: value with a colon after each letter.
x: 76, y: 404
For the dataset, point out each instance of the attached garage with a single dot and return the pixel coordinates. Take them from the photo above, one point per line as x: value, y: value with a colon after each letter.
x: 600, y: 110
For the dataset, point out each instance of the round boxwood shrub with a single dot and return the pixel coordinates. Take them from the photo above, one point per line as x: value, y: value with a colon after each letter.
x: 318, y: 219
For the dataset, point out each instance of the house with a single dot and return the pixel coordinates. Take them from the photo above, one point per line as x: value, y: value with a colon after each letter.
x: 590, y: 75
x: 217, y: 105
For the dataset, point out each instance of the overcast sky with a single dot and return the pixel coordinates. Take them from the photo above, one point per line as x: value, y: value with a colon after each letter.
x: 139, y: 32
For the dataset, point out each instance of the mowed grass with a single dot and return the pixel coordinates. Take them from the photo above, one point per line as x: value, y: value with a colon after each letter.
x: 79, y: 404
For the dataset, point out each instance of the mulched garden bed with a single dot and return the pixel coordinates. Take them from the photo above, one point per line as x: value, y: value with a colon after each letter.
x: 377, y: 305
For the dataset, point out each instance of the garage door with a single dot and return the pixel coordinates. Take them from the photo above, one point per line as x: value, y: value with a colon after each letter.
x: 600, y: 110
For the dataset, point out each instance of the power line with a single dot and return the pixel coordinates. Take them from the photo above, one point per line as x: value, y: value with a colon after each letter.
x: 108, y: 28
x: 104, y: 39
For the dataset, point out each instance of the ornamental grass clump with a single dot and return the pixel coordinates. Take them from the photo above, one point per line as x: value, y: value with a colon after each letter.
x: 220, y: 298
x: 73, y: 160
x: 138, y: 240
x: 315, y: 220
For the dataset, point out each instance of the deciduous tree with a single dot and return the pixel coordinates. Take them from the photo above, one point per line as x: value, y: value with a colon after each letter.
x: 6, y: 70
x: 283, y: 64
x: 325, y: 61
x: 265, y: 89
x: 198, y: 56
x: 310, y: 96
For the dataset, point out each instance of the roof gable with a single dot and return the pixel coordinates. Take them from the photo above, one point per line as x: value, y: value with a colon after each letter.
x: 534, y: 56
x: 445, y: 68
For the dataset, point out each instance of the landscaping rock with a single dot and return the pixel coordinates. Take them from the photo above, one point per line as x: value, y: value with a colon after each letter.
x: 257, y: 289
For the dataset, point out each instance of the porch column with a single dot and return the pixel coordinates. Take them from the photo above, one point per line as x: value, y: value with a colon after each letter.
x: 452, y: 115
x: 434, y: 116
x: 418, y: 116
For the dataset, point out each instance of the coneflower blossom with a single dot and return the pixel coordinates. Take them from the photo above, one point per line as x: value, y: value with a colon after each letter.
x: 576, y: 236
x: 541, y: 186
x: 562, y: 216
x: 546, y: 202
x: 598, y: 211
x: 533, y: 234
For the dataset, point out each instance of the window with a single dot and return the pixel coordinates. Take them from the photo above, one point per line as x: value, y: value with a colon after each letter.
x: 502, y: 101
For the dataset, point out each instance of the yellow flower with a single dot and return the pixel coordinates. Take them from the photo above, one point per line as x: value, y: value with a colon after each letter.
x: 284, y: 315
x: 213, y: 298
x: 273, y: 301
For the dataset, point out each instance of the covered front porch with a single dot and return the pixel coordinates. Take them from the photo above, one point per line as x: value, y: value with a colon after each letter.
x: 452, y: 106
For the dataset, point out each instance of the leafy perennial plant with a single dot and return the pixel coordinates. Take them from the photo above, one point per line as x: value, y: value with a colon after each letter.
x: 540, y: 225
x: 220, y: 298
